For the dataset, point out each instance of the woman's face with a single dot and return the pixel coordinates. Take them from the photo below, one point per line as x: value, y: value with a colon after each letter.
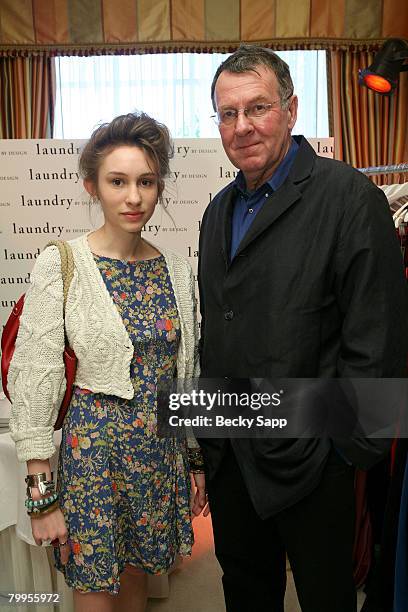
x: 127, y: 187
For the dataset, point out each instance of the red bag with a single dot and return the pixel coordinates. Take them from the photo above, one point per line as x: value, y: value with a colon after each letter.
x: 9, y: 335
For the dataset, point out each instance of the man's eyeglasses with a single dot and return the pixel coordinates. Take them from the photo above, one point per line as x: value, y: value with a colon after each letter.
x: 228, y: 116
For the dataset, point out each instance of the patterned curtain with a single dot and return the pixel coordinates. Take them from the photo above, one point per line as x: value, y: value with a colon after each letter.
x: 92, y: 27
x: 368, y: 129
x: 27, y: 97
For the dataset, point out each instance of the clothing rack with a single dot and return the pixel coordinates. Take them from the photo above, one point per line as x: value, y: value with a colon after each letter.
x: 394, y: 169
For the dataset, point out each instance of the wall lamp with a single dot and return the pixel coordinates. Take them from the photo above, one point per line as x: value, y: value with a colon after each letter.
x: 382, y: 75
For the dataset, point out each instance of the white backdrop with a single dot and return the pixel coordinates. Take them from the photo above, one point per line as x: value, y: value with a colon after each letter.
x: 42, y: 199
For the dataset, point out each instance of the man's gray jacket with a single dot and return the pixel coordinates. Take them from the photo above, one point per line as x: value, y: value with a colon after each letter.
x: 316, y: 290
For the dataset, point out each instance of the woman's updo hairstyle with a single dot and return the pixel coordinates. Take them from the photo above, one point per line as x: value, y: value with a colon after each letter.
x: 134, y: 129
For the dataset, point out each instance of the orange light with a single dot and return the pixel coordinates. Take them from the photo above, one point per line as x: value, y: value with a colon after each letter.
x: 377, y: 83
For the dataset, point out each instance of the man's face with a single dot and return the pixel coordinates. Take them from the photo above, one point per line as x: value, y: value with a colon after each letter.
x: 255, y: 145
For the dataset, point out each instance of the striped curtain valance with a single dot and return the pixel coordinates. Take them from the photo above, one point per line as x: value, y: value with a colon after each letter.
x: 92, y: 27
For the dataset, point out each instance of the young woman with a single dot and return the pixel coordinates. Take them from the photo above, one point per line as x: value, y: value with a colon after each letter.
x: 123, y: 507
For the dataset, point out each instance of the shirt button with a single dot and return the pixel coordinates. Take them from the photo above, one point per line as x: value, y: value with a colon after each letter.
x: 229, y: 315
x: 250, y: 210
x: 127, y: 270
x: 266, y: 195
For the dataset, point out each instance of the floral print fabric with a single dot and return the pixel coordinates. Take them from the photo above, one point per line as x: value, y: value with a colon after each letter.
x: 125, y: 492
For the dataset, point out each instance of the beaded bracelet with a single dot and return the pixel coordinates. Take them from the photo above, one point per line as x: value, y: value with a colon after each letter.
x: 44, y: 502
x: 35, y: 514
x: 194, y: 453
x: 196, y: 460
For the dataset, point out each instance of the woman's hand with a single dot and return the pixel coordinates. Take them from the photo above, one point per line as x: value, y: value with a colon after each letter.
x: 51, y: 526
x: 199, y: 501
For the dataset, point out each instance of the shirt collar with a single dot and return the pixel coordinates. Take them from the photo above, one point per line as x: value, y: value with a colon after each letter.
x: 278, y: 176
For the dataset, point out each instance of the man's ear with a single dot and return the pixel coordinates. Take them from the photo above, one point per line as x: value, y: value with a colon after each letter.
x: 292, y: 112
x: 90, y: 187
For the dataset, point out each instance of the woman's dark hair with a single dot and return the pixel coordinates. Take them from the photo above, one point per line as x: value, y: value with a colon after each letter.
x: 134, y: 129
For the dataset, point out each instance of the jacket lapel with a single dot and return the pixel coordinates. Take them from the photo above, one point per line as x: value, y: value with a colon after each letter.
x: 285, y: 197
x: 275, y: 206
x: 226, y: 224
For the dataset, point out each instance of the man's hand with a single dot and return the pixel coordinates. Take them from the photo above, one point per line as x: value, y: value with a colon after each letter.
x: 198, y: 502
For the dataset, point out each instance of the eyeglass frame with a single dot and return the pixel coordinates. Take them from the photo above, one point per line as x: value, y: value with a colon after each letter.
x: 268, y: 107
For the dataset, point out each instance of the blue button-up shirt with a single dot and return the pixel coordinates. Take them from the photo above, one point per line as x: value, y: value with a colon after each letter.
x: 248, y: 204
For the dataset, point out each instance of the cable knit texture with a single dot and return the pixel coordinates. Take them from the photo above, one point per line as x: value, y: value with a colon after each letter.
x: 96, y: 333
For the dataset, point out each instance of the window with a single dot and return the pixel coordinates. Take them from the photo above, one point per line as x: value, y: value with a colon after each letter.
x: 173, y: 88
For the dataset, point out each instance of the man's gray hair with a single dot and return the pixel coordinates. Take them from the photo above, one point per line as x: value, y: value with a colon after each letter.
x: 247, y: 58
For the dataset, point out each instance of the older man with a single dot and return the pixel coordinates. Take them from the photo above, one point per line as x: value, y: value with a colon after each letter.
x: 300, y: 276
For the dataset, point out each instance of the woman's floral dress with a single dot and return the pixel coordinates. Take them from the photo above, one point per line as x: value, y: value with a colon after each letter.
x: 123, y: 490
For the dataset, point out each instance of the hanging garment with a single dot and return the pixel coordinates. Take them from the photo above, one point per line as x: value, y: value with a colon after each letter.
x: 401, y: 561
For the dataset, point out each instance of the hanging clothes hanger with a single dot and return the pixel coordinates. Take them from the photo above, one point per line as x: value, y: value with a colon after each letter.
x: 395, y: 193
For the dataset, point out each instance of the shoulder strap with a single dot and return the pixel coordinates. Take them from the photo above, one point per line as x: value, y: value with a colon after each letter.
x: 67, y: 264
